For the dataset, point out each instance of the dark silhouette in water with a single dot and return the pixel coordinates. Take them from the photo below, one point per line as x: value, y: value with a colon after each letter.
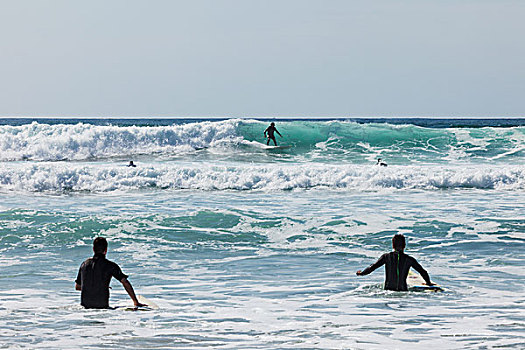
x: 94, y: 276
x: 397, y: 264
x: 380, y: 163
x: 131, y: 164
x: 270, y: 130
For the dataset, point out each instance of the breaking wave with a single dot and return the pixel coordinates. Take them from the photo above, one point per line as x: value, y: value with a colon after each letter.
x: 45, y: 142
x: 326, y: 141
x: 64, y: 177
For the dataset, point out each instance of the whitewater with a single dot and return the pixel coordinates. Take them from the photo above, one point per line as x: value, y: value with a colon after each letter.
x: 248, y: 247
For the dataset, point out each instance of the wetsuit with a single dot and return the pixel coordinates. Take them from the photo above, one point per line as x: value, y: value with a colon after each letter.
x: 94, y: 276
x: 270, y: 130
x: 397, y: 266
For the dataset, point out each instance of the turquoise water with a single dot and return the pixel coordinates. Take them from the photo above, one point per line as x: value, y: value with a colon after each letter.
x: 244, y: 247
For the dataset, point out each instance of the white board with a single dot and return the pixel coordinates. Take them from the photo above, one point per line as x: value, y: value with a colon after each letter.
x: 416, y: 283
x: 143, y: 300
x: 278, y: 147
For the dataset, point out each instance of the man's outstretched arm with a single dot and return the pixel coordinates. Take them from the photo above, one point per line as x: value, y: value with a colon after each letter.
x: 129, y: 288
x: 380, y: 262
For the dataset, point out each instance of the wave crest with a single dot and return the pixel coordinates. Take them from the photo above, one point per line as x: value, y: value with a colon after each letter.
x: 67, y: 177
x: 80, y: 141
x: 329, y: 141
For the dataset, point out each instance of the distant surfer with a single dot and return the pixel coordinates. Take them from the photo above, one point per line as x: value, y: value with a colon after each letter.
x: 397, y: 264
x: 131, y: 164
x: 381, y: 163
x: 94, y: 276
x: 270, y: 130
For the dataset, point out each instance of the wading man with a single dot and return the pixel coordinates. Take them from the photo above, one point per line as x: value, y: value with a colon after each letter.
x: 397, y: 264
x: 94, y: 276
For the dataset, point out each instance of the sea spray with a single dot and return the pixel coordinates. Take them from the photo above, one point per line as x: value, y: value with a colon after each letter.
x: 62, y: 177
x: 45, y: 142
x: 320, y: 141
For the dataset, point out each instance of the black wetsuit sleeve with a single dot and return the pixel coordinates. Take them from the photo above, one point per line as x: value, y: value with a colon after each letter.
x: 117, y: 273
x: 421, y: 271
x: 278, y: 133
x: 79, y: 277
x: 380, y: 262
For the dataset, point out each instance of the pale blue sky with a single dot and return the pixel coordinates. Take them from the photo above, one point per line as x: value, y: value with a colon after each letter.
x: 262, y: 58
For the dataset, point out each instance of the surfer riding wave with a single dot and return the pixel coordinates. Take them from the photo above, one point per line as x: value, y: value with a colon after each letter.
x: 270, y: 130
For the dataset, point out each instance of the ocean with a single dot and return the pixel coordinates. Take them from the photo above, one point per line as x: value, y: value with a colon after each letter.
x: 248, y: 247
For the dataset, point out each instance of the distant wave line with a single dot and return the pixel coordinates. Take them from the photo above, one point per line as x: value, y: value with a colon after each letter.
x: 63, y: 177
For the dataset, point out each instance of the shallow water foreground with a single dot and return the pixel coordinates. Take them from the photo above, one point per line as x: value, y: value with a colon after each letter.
x: 245, y: 270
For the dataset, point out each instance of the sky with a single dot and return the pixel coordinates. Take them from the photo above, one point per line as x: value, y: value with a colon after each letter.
x: 249, y: 58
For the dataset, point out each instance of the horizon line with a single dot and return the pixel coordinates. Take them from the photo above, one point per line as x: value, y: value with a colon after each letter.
x: 260, y: 117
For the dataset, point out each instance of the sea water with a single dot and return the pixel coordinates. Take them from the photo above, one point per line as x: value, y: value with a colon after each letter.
x: 245, y: 247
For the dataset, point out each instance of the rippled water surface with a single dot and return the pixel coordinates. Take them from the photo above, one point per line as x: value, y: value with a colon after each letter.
x: 248, y: 248
x: 265, y: 270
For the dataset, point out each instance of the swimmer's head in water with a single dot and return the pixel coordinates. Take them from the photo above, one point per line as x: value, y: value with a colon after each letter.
x: 398, y: 242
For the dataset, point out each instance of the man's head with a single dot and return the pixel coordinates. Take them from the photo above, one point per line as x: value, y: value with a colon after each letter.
x: 398, y: 242
x: 272, y: 124
x: 100, y: 245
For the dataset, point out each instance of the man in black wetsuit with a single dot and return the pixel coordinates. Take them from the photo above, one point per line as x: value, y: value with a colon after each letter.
x: 94, y: 276
x: 270, y: 130
x: 397, y: 264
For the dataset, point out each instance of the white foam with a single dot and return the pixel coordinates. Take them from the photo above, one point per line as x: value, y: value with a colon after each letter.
x: 85, y: 141
x: 65, y: 176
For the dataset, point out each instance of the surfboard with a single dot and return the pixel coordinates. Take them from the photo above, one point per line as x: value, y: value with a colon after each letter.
x: 143, y: 300
x: 416, y: 283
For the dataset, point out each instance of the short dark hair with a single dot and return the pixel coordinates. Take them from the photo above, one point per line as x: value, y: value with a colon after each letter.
x: 398, y: 241
x: 100, y: 245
